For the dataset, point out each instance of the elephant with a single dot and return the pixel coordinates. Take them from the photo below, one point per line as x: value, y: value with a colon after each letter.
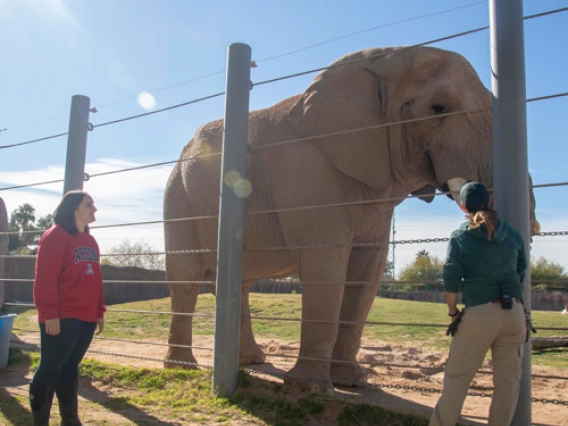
x: 349, y: 153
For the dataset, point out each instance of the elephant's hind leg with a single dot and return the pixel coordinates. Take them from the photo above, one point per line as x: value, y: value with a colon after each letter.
x: 364, y: 266
x: 250, y: 352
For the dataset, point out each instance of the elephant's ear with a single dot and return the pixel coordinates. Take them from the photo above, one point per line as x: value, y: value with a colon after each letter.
x: 348, y: 102
x: 426, y: 193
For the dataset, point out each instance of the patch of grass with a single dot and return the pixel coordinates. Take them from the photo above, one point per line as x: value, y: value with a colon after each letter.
x: 140, y: 326
x: 185, y: 396
x: 17, y: 357
x: 364, y: 414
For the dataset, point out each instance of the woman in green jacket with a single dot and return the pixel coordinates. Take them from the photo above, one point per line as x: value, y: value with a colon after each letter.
x: 486, y: 262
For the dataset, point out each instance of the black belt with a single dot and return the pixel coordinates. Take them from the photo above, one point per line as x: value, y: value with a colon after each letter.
x: 516, y: 299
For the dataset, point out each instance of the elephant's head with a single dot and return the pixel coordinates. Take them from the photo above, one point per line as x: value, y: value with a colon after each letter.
x: 416, y: 86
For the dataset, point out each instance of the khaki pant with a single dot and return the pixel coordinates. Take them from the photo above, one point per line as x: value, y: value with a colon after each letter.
x: 483, y: 327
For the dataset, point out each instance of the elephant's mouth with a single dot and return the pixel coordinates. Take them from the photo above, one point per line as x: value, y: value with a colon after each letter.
x: 452, y: 188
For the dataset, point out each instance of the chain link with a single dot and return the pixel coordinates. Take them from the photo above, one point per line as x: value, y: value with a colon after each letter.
x: 374, y: 385
x: 296, y: 247
x: 550, y: 401
x: 552, y: 234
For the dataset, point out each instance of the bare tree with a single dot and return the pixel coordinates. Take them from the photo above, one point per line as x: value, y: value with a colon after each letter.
x: 140, y: 254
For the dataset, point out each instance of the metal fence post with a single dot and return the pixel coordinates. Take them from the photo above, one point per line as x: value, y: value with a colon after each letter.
x: 77, y: 143
x: 234, y: 189
x: 510, y: 182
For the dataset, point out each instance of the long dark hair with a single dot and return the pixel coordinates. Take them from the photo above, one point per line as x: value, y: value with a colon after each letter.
x: 64, y: 214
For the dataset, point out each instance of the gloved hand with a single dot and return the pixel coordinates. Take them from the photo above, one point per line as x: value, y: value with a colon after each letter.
x: 453, y: 328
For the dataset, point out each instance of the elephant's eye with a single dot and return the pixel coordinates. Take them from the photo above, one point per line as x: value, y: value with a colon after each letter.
x: 439, y: 109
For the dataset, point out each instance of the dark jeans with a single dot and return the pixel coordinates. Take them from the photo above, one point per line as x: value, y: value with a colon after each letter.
x: 62, y: 354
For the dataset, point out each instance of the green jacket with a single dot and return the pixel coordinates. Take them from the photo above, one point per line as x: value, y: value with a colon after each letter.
x: 483, y: 269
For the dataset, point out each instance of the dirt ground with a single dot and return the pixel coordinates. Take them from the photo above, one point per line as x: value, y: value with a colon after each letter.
x: 381, y: 377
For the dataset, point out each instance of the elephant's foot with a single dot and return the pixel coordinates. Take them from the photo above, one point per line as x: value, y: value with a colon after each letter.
x: 351, y: 374
x: 311, y: 377
x: 184, y: 358
x: 252, y: 355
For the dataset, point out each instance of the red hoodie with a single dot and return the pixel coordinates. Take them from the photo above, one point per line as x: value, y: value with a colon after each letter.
x: 68, y: 279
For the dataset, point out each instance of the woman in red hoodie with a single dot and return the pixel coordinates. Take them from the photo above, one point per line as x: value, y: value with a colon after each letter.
x: 69, y: 301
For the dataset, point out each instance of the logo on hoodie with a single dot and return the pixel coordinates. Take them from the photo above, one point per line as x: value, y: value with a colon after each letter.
x: 90, y: 269
x: 85, y: 254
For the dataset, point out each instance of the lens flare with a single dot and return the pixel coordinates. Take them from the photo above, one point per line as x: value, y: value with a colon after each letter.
x: 243, y: 188
x: 146, y: 100
x: 231, y: 178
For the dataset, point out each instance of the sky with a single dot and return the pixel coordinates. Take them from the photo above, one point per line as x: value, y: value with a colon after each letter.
x: 123, y: 54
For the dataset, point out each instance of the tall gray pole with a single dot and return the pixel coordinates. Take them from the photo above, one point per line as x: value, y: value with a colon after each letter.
x: 234, y: 189
x: 510, y: 182
x: 77, y: 143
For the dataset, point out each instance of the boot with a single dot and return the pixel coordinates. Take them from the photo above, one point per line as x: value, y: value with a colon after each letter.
x: 41, y: 398
x: 68, y: 403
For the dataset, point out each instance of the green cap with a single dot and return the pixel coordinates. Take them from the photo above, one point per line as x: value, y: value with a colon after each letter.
x: 474, y: 196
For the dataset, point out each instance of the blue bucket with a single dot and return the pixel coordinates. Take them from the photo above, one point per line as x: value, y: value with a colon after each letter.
x: 6, y: 323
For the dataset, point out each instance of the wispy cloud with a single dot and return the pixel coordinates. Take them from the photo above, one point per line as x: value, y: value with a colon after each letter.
x: 55, y: 10
x: 135, y: 196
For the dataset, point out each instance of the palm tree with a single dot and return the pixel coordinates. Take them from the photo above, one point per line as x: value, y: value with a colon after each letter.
x: 422, y: 253
x: 24, y: 215
x: 44, y: 222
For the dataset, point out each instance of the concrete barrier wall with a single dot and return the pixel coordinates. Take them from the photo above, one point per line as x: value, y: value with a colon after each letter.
x: 17, y: 292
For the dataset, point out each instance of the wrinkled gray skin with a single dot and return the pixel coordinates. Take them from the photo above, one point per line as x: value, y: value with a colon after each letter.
x: 3, y: 246
x: 389, y: 85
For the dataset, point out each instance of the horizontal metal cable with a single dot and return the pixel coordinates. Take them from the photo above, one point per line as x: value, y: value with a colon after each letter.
x: 141, y: 342
x: 33, y: 123
x: 267, y: 145
x: 122, y: 281
x: 387, y: 386
x: 130, y: 311
x: 260, y: 147
x: 367, y: 58
x: 267, y: 318
x: 353, y: 203
x: 298, y: 50
x: 314, y: 379
x: 368, y: 30
x: 133, y: 117
x: 272, y: 58
x: 34, y: 140
x: 302, y: 283
x: 276, y: 355
x: 542, y: 98
x: 426, y: 43
x: 395, y: 365
x: 461, y: 34
x: 143, y: 358
x: 164, y: 88
x: 295, y: 247
x: 550, y: 185
x: 400, y: 324
x: 28, y: 185
x: 373, y: 127
x: 182, y: 314
x: 205, y: 217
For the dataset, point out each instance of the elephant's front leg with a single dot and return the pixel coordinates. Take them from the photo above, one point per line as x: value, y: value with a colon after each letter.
x: 184, y: 298
x: 250, y: 352
x: 321, y: 305
x: 366, y: 265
